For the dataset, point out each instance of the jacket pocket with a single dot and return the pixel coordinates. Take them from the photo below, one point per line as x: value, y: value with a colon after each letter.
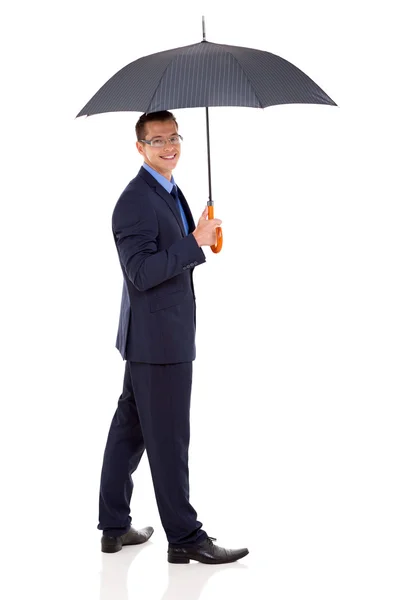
x: 167, y: 301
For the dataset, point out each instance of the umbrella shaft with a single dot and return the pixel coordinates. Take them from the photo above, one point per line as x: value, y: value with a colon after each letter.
x: 210, y: 203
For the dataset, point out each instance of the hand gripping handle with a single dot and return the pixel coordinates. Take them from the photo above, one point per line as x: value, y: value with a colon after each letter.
x: 217, y: 247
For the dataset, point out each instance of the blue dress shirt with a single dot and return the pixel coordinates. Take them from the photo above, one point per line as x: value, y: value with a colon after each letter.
x: 167, y: 185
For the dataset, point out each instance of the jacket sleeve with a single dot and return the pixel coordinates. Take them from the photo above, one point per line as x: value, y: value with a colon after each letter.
x: 135, y: 229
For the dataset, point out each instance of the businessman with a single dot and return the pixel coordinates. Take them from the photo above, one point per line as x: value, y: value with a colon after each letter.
x: 158, y: 247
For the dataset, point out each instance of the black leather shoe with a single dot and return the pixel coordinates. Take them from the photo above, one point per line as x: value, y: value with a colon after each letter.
x: 130, y: 538
x: 205, y: 552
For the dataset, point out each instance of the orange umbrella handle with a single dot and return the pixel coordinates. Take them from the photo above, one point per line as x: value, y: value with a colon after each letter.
x: 217, y: 247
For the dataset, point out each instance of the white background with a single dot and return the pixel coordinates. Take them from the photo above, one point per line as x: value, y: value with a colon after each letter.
x: 295, y: 418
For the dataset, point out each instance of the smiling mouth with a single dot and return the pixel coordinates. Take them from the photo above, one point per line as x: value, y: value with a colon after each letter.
x: 170, y: 157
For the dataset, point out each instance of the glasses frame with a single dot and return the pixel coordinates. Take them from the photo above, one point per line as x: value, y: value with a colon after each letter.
x: 150, y: 142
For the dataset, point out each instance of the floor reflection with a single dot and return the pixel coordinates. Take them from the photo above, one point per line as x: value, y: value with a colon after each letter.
x: 114, y: 572
x: 185, y: 582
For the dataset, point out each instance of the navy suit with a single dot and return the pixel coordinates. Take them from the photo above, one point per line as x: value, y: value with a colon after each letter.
x: 158, y: 310
x: 156, y: 337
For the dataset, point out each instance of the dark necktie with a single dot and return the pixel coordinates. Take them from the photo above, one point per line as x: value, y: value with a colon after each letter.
x: 174, y: 194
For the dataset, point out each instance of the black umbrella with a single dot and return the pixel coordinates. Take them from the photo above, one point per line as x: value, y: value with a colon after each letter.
x: 205, y: 74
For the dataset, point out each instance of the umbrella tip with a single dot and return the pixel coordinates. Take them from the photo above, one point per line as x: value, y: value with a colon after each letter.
x: 204, y: 28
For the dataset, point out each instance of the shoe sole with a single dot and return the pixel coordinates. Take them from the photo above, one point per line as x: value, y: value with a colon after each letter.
x: 110, y: 549
x: 184, y: 560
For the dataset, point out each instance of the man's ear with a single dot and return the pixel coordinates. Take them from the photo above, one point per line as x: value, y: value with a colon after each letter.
x: 139, y: 147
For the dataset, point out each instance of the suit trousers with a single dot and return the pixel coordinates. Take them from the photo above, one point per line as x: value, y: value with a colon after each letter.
x: 152, y: 414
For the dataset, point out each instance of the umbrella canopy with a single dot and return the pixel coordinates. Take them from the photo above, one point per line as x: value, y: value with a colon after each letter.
x: 205, y: 74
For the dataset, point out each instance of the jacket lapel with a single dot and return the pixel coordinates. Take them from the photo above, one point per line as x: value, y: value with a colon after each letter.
x: 161, y: 191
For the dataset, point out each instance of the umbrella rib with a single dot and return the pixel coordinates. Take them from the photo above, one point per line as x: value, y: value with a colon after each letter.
x: 246, y: 76
x: 159, y: 82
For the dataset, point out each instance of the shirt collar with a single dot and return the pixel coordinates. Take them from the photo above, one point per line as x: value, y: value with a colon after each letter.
x: 167, y: 185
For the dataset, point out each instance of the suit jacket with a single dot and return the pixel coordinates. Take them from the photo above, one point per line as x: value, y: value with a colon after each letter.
x: 157, y: 322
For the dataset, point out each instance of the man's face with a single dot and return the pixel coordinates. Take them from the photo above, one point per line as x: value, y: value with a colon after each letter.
x: 160, y: 158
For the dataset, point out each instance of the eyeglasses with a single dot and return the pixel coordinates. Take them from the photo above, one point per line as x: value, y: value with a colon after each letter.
x: 175, y: 140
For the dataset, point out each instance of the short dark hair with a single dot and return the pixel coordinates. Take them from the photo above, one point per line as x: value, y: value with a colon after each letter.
x: 162, y: 115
